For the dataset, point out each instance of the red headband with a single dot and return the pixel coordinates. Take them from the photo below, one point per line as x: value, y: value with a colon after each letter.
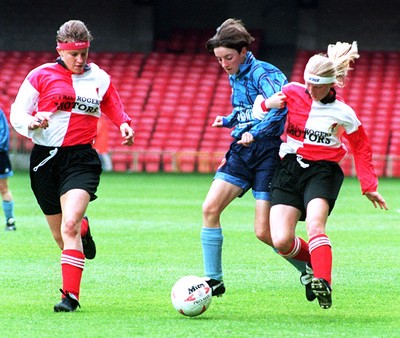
x: 73, y: 45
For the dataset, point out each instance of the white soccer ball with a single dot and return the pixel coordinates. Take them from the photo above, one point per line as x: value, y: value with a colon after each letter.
x: 191, y: 296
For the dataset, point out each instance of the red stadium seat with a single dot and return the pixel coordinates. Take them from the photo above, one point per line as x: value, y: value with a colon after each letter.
x: 152, y: 160
x: 184, y: 106
x: 121, y: 161
x: 186, y: 161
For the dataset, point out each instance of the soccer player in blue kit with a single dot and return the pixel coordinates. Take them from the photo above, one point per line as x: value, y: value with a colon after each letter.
x: 253, y: 155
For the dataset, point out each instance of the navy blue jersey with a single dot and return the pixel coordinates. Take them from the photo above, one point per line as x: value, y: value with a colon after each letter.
x: 254, y: 78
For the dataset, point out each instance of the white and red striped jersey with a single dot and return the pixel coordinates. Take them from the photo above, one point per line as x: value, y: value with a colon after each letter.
x: 314, y: 130
x: 73, y: 101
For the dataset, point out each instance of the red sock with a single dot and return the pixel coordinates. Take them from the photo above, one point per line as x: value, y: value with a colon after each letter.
x: 321, y: 257
x: 298, y: 250
x: 72, y: 264
x: 84, y: 227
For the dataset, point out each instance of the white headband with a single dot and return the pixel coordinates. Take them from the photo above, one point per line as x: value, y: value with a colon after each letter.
x: 315, y: 79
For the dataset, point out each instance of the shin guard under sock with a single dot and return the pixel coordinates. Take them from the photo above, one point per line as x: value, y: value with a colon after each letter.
x: 72, y: 264
x: 211, y: 241
x: 321, y: 257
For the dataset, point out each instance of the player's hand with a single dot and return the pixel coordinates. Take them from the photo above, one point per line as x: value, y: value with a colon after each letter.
x: 376, y: 199
x: 276, y: 101
x: 127, y: 134
x: 217, y: 122
x: 247, y: 139
x: 40, y: 120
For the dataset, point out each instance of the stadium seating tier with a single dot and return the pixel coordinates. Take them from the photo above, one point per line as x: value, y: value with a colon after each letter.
x: 174, y: 93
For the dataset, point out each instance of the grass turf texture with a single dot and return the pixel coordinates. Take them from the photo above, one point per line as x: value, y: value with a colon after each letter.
x: 147, y: 231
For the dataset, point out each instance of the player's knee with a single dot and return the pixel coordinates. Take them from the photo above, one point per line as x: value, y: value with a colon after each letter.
x: 210, y: 210
x: 70, y: 228
x: 3, y: 189
x: 263, y: 236
x: 281, y: 243
x: 315, y: 228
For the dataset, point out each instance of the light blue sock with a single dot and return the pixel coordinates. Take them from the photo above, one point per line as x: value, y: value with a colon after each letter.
x: 299, y: 265
x: 8, y: 207
x: 211, y: 241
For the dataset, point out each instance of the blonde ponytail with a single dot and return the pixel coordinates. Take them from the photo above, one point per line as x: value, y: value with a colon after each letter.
x: 342, y: 54
x: 335, y: 64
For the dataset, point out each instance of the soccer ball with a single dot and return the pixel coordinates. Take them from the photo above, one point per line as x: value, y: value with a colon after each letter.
x: 191, y: 296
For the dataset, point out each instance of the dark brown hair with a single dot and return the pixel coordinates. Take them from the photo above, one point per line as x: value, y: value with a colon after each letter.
x: 231, y: 34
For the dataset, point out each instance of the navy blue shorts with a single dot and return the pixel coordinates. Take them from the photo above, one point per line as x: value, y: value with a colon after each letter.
x: 251, y: 167
x: 54, y: 171
x: 296, y: 186
x: 5, y: 165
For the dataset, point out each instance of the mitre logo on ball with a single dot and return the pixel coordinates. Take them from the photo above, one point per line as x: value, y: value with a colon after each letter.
x: 191, y: 296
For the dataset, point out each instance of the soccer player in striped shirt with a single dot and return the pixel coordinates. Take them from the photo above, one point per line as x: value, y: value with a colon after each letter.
x: 58, y: 106
x: 308, y: 179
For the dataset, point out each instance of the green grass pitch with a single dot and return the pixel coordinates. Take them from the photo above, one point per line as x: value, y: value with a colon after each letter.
x: 147, y: 231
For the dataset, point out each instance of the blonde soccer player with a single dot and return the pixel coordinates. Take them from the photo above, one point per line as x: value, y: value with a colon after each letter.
x: 307, y: 181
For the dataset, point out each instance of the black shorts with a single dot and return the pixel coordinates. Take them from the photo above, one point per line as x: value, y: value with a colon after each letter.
x: 296, y: 186
x: 54, y: 171
x: 5, y: 165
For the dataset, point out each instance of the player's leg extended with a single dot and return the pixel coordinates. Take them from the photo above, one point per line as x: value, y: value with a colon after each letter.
x: 320, y: 250
x: 283, y: 223
x: 263, y: 232
x: 294, y: 249
x: 319, y: 244
x: 74, y: 204
x: 221, y: 193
